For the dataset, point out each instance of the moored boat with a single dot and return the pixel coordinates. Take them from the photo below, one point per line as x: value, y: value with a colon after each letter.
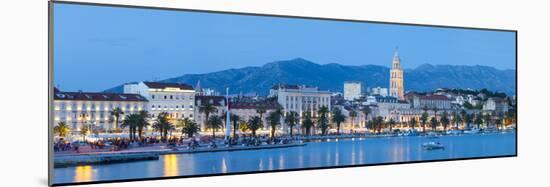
x: 432, y: 146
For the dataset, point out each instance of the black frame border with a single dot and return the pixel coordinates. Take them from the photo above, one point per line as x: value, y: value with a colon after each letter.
x: 50, y: 90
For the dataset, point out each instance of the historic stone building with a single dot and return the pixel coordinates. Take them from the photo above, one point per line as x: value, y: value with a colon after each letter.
x: 396, y: 78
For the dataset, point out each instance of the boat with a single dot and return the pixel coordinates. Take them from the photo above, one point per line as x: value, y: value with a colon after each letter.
x: 454, y: 132
x: 472, y: 131
x: 432, y: 146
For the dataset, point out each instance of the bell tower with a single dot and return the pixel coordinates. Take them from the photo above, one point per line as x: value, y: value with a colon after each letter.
x: 396, y: 78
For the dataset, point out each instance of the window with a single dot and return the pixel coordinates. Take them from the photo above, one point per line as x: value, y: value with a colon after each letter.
x: 171, y: 97
x: 165, y: 97
x: 182, y: 106
x: 152, y: 96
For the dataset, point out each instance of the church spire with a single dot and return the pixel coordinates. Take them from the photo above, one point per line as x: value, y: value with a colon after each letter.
x: 396, y: 78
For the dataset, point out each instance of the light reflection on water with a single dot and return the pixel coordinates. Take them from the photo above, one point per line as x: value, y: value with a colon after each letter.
x: 318, y: 154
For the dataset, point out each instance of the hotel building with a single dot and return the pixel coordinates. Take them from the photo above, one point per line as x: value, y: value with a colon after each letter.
x: 352, y: 90
x: 175, y: 99
x: 219, y: 102
x: 300, y: 98
x: 246, y: 109
x: 89, y: 108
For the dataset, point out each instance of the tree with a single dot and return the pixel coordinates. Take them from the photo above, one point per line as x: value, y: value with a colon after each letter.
x: 131, y: 121
x: 478, y: 120
x: 468, y: 119
x: 352, y: 115
x: 235, y: 119
x: 188, y: 127
x: 163, y: 125
x: 424, y: 120
x: 391, y: 123
x: 254, y: 124
x: 307, y: 123
x: 487, y: 118
x: 366, y: 111
x: 323, y: 120
x: 261, y: 111
x: 291, y: 119
x: 413, y: 122
x: 115, y: 113
x: 62, y: 129
x: 274, y: 119
x: 463, y: 117
x: 243, y: 126
x: 338, y: 118
x: 207, y: 109
x: 445, y: 120
x: 84, y: 131
x: 143, y: 115
x: 379, y: 121
x: 214, y: 123
x: 433, y: 122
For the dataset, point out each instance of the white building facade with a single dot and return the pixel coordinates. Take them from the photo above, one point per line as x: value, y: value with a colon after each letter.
x: 178, y: 100
x: 352, y: 90
x: 78, y: 109
x: 300, y: 98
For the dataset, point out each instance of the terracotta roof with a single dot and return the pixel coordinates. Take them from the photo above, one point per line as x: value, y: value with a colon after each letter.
x: 255, y: 105
x: 433, y: 97
x: 216, y: 100
x: 97, y: 96
x: 162, y: 85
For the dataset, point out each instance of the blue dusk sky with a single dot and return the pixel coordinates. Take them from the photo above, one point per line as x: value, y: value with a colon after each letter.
x: 96, y: 48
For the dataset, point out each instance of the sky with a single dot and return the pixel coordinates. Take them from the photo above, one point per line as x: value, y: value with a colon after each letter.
x: 98, y: 47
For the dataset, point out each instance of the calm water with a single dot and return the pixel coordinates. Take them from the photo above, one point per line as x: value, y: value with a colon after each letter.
x: 319, y: 154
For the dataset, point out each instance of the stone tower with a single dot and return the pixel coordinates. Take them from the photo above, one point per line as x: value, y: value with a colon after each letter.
x: 396, y: 78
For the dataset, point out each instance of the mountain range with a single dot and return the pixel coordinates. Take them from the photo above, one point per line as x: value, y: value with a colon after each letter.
x: 426, y: 77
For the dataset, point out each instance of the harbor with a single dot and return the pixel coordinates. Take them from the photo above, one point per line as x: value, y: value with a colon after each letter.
x: 330, y: 152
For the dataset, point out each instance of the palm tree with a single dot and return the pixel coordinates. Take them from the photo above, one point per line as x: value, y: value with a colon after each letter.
x: 424, y: 120
x: 366, y: 111
x: 261, y: 111
x: 207, y: 109
x: 391, y: 123
x: 291, y: 119
x: 115, y: 113
x: 143, y: 115
x: 307, y: 123
x: 62, y: 129
x: 463, y: 117
x: 323, y: 120
x: 338, y: 118
x: 84, y: 131
x: 352, y: 115
x: 189, y: 127
x: 478, y: 120
x: 413, y: 122
x: 488, y: 118
x: 433, y: 122
x: 235, y: 119
x: 131, y: 121
x: 214, y: 123
x: 379, y: 121
x: 274, y: 119
x: 468, y: 118
x: 181, y: 123
x: 445, y: 120
x: 163, y: 125
x: 243, y: 126
x: 254, y: 124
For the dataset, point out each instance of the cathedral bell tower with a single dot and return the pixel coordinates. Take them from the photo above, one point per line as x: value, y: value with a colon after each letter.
x: 396, y: 78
